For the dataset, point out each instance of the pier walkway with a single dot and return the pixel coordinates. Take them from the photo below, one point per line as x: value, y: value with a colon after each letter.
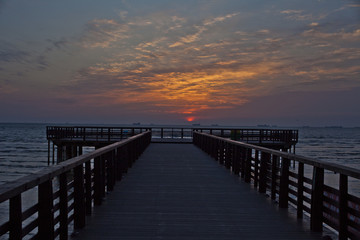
x: 176, y: 191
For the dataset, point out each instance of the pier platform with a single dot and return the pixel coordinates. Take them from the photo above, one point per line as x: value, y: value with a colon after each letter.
x: 176, y: 191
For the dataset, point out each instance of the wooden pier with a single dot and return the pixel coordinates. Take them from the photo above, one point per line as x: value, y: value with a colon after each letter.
x: 176, y: 191
x: 229, y: 190
x: 68, y: 141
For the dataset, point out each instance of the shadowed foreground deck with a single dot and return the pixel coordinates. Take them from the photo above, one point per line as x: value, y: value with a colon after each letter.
x: 175, y: 191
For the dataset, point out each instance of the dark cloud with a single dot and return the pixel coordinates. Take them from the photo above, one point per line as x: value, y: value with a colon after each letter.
x: 42, y: 63
x: 57, y: 44
x: 9, y: 54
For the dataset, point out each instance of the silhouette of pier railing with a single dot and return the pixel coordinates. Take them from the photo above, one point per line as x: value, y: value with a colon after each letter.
x: 269, y: 171
x: 67, y: 191
x: 66, y: 138
x: 93, y: 135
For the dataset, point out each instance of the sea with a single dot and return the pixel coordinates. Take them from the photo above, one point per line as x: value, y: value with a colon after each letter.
x: 24, y: 149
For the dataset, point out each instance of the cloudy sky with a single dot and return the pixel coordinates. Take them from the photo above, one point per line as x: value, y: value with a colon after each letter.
x: 233, y: 62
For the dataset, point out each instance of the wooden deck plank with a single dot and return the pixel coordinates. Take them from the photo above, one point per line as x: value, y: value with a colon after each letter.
x: 175, y: 191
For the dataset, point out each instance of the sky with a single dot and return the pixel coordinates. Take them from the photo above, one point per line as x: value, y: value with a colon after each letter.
x: 226, y: 62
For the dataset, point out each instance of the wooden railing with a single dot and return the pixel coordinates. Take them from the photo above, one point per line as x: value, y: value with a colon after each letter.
x: 109, y: 134
x: 304, y: 186
x: 112, y: 134
x: 258, y: 136
x: 67, y: 191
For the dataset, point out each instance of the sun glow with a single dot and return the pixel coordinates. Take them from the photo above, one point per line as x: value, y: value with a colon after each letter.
x: 190, y: 119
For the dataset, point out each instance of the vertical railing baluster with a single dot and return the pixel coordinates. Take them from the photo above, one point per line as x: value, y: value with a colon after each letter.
x: 221, y: 152
x: 243, y: 162
x: 273, y: 176
x: 79, y: 198
x: 317, y: 192
x: 109, y: 172
x: 284, y: 183
x: 88, y: 198
x: 97, y: 181
x: 46, y: 213
x: 236, y: 160
x: 227, y: 156
x: 247, y: 177
x: 300, y: 190
x: 343, y: 207
x: 63, y: 207
x: 15, y: 231
x: 256, y: 169
x: 103, y: 160
x: 265, y: 157
x: 118, y: 165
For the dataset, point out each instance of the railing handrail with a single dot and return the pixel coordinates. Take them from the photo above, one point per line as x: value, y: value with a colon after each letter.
x: 285, y: 135
x: 307, y: 189
x: 334, y: 167
x: 13, y: 188
x: 179, y: 127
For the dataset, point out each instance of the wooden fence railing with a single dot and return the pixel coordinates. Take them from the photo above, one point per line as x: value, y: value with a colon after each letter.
x: 88, y: 133
x: 304, y: 186
x: 111, y: 134
x: 67, y: 191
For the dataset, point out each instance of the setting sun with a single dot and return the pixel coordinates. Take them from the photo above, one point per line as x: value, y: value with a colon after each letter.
x: 190, y: 119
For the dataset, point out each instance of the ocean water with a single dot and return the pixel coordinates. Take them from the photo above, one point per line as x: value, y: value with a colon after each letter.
x: 23, y: 150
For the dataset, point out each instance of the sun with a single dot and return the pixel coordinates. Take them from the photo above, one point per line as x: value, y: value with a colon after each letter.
x: 190, y: 119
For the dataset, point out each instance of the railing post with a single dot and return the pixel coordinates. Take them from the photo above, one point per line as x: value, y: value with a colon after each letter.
x: 343, y: 207
x: 284, y: 183
x: 130, y: 154
x: 221, y: 152
x: 46, y: 214
x: 242, y: 163
x: 118, y: 164
x: 103, y: 175
x: 227, y: 156
x: 273, y: 176
x: 63, y: 207
x: 265, y: 157
x: 125, y: 159
x: 88, y: 198
x: 213, y: 147
x: 256, y: 169
x: 59, y: 153
x: 97, y: 181
x: 236, y: 160
x: 110, y: 171
x: 316, y: 218
x: 247, y: 159
x: 79, y: 198
x: 300, y: 190
x: 15, y: 218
